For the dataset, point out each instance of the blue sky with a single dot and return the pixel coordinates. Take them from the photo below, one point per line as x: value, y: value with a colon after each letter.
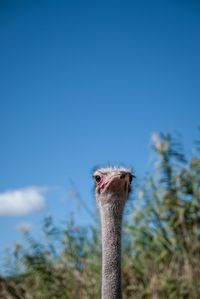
x: 85, y: 83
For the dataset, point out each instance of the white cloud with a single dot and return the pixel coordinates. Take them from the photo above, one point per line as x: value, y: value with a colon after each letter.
x: 22, y: 201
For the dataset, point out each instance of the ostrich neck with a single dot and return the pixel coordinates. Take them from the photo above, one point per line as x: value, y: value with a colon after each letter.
x: 111, y: 218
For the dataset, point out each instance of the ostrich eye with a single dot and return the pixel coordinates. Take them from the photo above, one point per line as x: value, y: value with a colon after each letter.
x: 97, y: 178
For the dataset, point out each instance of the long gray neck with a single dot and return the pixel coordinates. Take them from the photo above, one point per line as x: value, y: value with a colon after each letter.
x: 111, y: 219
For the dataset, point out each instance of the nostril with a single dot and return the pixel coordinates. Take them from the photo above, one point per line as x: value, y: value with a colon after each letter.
x: 122, y: 176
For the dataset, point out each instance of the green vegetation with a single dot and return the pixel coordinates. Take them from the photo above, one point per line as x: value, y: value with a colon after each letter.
x: 161, y: 245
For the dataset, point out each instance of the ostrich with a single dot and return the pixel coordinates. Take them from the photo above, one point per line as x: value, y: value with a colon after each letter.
x: 112, y: 190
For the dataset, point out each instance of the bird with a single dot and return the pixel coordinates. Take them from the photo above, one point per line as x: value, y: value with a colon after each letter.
x: 112, y: 189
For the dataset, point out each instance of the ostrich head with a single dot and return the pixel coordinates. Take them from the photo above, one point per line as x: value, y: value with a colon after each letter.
x: 113, y: 184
